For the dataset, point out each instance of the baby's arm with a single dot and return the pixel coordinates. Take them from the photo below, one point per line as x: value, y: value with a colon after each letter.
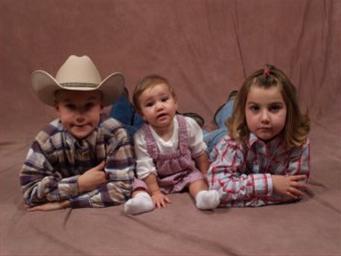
x: 202, y: 163
x: 159, y: 199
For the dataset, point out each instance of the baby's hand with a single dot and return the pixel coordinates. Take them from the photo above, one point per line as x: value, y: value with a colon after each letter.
x: 292, y: 186
x: 92, y: 178
x: 160, y: 199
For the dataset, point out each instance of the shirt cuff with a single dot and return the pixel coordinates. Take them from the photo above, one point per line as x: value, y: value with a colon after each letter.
x: 262, y: 184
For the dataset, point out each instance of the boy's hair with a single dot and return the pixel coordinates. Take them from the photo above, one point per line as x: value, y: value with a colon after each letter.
x: 149, y: 82
x: 297, y: 125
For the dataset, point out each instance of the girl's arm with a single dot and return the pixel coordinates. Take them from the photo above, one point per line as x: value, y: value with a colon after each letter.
x: 227, y: 174
x: 293, y: 184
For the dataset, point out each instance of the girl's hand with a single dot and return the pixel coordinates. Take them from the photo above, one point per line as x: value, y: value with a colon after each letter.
x: 92, y: 178
x: 160, y: 199
x: 292, y: 186
x: 52, y: 206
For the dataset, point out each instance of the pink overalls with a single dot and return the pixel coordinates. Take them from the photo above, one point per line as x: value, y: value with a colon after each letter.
x: 175, y: 171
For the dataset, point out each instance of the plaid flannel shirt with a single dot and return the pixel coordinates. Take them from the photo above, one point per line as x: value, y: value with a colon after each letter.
x: 242, y: 174
x: 56, y: 160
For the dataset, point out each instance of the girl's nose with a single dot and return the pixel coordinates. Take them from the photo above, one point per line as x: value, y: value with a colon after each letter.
x: 265, y: 118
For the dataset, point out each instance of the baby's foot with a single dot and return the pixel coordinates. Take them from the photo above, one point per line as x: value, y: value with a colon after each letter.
x: 206, y: 200
x: 141, y: 202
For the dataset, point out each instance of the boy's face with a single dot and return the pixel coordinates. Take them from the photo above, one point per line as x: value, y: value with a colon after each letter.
x: 265, y: 112
x: 78, y: 111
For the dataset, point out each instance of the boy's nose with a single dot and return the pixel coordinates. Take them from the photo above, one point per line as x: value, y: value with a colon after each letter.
x: 80, y: 119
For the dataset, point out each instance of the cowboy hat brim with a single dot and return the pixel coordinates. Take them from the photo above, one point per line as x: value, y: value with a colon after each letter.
x: 45, y: 86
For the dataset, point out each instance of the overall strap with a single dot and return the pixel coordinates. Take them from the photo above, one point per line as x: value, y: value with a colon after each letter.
x: 152, y: 148
x: 183, y: 134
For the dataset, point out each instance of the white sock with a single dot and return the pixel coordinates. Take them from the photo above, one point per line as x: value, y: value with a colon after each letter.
x: 141, y: 202
x: 206, y: 200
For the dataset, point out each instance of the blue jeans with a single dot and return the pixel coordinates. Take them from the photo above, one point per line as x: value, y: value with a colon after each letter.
x: 123, y: 111
x: 213, y: 137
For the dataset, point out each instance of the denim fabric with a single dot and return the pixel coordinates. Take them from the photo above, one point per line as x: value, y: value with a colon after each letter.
x: 213, y: 137
x: 123, y: 111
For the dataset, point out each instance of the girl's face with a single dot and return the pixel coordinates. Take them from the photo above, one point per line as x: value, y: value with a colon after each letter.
x: 79, y: 112
x: 158, y: 106
x: 265, y: 112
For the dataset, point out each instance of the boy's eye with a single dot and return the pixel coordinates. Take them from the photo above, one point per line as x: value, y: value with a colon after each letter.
x: 70, y: 106
x: 89, y: 105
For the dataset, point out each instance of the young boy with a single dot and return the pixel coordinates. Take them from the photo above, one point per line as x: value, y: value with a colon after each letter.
x: 79, y: 159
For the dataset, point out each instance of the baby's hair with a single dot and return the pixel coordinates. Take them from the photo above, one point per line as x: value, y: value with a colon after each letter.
x: 149, y: 82
x: 297, y: 125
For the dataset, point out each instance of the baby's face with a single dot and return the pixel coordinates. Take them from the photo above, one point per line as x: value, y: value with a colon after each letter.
x: 79, y: 111
x: 158, y: 106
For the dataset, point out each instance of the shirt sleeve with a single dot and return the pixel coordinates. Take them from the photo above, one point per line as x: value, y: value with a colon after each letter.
x: 119, y: 170
x: 144, y: 162
x: 299, y: 160
x: 40, y: 183
x: 195, y: 137
x: 227, y: 174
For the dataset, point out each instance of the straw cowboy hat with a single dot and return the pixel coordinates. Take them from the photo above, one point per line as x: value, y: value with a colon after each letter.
x: 77, y: 74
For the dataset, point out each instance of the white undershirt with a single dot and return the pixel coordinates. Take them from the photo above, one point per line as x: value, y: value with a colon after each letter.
x: 144, y: 162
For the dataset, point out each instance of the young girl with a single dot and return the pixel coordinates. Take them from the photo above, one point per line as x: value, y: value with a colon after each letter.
x: 265, y: 158
x: 169, y: 149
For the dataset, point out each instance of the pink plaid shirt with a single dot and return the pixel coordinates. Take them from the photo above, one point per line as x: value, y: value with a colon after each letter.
x: 242, y: 174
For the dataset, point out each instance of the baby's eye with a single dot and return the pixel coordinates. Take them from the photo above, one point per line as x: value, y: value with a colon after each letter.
x: 149, y: 104
x: 163, y: 99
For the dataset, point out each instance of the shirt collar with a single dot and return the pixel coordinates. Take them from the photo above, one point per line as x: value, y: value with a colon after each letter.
x: 254, y: 140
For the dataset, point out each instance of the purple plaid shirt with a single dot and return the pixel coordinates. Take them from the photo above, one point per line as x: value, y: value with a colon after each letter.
x: 56, y: 160
x: 242, y: 174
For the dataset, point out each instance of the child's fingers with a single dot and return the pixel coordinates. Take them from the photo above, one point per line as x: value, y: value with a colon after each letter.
x: 101, y: 165
x: 299, y: 185
x: 295, y: 193
x: 298, y: 178
x: 167, y: 200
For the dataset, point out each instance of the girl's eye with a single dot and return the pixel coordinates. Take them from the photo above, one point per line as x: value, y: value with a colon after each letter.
x: 275, y: 108
x: 254, y: 108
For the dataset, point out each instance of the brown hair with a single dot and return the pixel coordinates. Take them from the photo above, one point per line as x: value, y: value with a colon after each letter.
x: 149, y: 82
x: 297, y: 125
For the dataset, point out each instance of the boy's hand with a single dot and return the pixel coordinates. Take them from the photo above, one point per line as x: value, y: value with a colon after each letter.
x: 292, y: 186
x: 160, y: 199
x: 52, y: 206
x: 92, y: 178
